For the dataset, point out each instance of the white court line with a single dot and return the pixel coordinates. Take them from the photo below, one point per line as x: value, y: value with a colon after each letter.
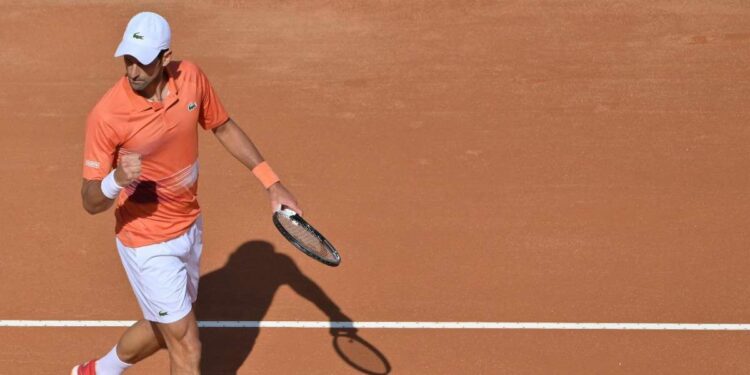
x: 403, y: 325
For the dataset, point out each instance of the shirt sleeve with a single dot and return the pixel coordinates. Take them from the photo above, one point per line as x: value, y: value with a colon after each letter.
x: 212, y: 112
x: 99, y: 148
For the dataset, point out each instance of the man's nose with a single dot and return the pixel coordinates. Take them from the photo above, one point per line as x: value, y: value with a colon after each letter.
x: 132, y: 71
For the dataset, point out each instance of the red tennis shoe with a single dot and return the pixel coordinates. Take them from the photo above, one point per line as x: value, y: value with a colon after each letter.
x: 88, y: 368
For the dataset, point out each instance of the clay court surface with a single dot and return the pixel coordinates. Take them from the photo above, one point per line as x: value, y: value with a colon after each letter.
x: 473, y: 161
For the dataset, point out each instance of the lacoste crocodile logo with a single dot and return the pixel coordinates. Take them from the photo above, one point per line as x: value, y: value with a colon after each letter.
x: 192, y: 106
x: 163, y: 313
x: 138, y: 36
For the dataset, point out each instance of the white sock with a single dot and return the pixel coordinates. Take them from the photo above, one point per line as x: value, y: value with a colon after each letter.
x: 111, y: 364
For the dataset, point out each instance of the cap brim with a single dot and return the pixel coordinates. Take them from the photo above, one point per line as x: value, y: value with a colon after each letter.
x: 144, y: 54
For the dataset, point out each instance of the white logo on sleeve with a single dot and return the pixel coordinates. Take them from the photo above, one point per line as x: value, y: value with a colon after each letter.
x: 92, y: 164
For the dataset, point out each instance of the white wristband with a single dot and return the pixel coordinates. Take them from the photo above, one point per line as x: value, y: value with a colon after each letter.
x: 110, y: 188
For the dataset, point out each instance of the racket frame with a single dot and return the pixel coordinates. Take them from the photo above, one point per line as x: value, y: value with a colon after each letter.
x: 293, y: 216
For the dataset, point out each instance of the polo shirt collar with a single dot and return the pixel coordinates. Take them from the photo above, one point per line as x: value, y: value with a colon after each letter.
x: 140, y: 103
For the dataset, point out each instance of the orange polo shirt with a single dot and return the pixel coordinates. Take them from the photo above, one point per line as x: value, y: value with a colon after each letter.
x: 163, y: 203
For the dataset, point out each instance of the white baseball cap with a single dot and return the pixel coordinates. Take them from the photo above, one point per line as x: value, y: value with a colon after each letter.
x: 145, y: 36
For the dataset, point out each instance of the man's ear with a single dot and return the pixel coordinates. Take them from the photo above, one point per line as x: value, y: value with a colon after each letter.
x: 166, y: 58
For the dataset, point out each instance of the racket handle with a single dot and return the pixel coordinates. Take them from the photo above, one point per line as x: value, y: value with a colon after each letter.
x: 286, y: 211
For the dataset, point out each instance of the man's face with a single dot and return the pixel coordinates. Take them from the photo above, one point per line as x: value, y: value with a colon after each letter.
x: 141, y: 76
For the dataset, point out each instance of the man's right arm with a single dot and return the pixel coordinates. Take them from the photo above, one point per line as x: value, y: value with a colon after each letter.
x: 128, y: 170
x: 94, y: 200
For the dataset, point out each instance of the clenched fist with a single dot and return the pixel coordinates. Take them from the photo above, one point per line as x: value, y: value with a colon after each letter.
x: 128, y: 169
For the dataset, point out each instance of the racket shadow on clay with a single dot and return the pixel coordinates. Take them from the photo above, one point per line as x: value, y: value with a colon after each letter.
x: 242, y: 290
x: 360, y: 354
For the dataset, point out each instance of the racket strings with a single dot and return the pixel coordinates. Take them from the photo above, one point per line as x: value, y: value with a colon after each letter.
x: 307, y: 239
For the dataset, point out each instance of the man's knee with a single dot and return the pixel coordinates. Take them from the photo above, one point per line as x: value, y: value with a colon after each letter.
x: 182, y: 339
x: 192, y: 346
x: 187, y: 353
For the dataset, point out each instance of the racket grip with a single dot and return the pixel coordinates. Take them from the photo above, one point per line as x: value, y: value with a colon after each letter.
x: 286, y: 211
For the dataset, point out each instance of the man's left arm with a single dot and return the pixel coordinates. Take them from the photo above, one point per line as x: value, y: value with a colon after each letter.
x: 234, y: 139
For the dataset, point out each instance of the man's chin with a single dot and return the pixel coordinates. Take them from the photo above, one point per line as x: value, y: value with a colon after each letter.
x: 137, y: 86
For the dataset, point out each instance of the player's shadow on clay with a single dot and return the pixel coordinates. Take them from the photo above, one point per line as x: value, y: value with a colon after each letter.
x: 242, y: 290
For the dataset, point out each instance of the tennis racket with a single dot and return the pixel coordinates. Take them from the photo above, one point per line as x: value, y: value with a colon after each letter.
x: 304, y: 237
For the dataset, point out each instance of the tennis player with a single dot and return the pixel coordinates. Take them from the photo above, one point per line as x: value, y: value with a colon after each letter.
x: 141, y: 154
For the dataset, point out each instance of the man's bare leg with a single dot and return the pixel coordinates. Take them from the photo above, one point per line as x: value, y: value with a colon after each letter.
x: 183, y: 342
x: 140, y: 341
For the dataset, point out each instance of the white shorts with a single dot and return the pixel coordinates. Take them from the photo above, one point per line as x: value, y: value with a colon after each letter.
x: 164, y: 276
